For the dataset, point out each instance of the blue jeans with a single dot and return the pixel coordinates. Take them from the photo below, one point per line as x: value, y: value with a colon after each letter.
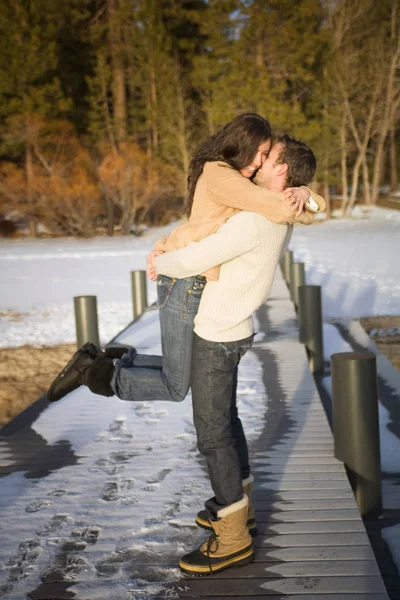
x: 220, y: 435
x: 144, y: 377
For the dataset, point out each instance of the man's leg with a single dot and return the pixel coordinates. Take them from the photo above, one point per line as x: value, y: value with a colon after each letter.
x: 212, y: 382
x: 243, y: 455
x: 202, y: 517
x: 237, y: 431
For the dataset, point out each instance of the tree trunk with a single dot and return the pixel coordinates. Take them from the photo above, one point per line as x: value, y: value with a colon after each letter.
x: 394, y: 176
x: 33, y: 230
x: 119, y: 96
x: 107, y: 116
x: 366, y: 182
x: 29, y: 195
x: 210, y: 118
x: 326, y: 187
x: 182, y: 131
x: 361, y: 145
x: 343, y: 165
x: 118, y: 75
x: 153, y: 104
x: 354, y: 183
x: 110, y: 217
x: 260, y: 54
x: 376, y: 180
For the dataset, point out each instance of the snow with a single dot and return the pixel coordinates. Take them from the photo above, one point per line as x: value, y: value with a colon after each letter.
x: 41, y: 277
x: 140, y: 459
x: 355, y: 261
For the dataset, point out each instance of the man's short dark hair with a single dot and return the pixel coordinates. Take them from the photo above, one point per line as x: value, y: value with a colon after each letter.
x: 300, y: 160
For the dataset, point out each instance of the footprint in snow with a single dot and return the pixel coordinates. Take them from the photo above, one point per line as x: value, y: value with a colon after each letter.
x: 53, y: 526
x: 37, y: 505
x: 20, y: 564
x: 119, y: 490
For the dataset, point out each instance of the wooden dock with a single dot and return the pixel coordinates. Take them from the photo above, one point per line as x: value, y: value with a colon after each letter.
x: 312, y: 543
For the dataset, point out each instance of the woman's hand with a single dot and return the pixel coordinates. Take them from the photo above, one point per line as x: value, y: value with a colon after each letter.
x: 151, y: 267
x: 295, y: 198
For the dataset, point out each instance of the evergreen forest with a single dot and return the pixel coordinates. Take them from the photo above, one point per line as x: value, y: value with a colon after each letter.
x: 102, y: 102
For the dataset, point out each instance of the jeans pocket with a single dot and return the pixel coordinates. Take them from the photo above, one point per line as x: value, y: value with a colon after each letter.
x: 164, y: 289
x: 198, y: 284
x: 193, y: 291
x: 238, y: 348
x: 246, y: 345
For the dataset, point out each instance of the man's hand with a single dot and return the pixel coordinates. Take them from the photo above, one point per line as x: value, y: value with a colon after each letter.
x: 295, y: 199
x: 151, y: 267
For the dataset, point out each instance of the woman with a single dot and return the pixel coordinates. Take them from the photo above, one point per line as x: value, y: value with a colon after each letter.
x: 218, y: 186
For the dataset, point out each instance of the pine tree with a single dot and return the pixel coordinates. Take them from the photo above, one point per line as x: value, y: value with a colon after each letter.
x: 30, y: 88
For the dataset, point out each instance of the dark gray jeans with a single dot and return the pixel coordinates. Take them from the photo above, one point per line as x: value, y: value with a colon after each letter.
x: 220, y: 435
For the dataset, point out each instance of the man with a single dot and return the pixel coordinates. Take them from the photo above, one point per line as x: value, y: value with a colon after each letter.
x: 249, y: 248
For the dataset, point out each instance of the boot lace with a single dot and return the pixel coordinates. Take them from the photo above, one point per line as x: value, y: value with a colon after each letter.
x: 213, y: 539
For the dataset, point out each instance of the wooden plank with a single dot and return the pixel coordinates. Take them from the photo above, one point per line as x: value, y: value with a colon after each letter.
x: 307, y: 494
x: 362, y: 596
x: 303, y: 474
x: 238, y: 586
x: 313, y: 444
x: 307, y: 485
x: 297, y: 468
x: 316, y: 553
x: 311, y: 539
x: 311, y: 527
x: 336, y: 568
x: 312, y: 504
x: 307, y: 472
x: 314, y: 516
x: 300, y: 452
x: 295, y: 460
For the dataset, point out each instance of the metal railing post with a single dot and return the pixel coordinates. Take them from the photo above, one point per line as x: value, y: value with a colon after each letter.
x: 87, y: 327
x: 286, y: 262
x: 310, y: 325
x: 356, y: 425
x: 297, y: 278
x: 139, y: 292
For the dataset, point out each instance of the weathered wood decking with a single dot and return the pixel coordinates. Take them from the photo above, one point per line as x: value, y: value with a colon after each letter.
x: 312, y: 544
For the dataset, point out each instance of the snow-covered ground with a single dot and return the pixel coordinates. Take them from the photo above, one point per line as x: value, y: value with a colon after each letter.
x: 145, y: 452
x: 354, y: 260
x: 41, y: 277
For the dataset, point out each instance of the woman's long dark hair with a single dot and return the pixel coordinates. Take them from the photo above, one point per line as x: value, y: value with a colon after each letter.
x: 236, y: 144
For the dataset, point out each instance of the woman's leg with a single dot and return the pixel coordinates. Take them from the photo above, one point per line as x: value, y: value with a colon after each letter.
x: 145, y: 378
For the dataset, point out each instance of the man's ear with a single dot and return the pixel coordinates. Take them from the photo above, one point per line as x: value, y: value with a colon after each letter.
x: 282, y: 169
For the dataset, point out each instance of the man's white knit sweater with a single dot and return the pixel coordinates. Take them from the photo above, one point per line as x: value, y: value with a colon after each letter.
x: 249, y: 248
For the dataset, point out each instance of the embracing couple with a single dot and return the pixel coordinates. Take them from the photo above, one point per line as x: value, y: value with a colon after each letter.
x: 244, y: 194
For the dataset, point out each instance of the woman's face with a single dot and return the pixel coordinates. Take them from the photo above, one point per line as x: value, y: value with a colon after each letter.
x: 258, y: 160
